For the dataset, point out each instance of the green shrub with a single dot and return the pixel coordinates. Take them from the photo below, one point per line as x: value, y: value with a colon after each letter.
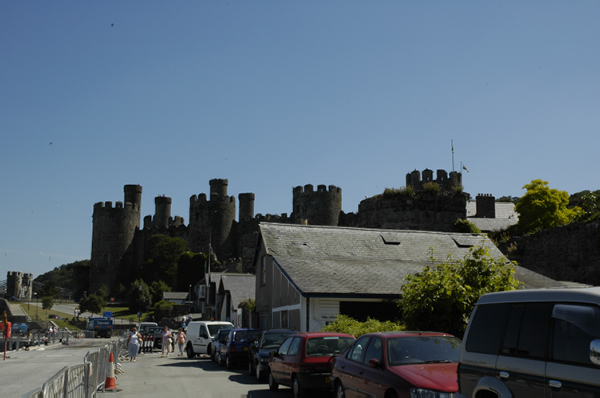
x: 432, y: 188
x: 346, y: 324
x: 462, y: 225
x: 402, y: 192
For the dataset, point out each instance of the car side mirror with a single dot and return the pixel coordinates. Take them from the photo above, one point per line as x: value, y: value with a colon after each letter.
x: 595, y: 352
x: 374, y: 363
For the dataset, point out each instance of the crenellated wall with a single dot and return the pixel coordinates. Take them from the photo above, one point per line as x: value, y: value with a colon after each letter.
x: 112, y: 234
x: 320, y: 207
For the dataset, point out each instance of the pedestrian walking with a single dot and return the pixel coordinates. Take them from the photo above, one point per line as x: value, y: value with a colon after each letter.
x: 133, y: 343
x: 180, y: 341
x: 167, y: 339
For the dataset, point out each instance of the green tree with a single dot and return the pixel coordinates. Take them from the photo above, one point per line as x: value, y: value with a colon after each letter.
x: 103, y: 292
x: 590, y: 207
x: 139, y: 297
x: 442, y: 297
x: 161, y: 257
x: 157, y: 288
x: 542, y: 208
x: 47, y: 302
x: 462, y: 225
x: 92, y: 303
x: 190, y: 270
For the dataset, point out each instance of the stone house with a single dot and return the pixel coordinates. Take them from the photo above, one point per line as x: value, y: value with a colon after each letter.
x: 307, y: 275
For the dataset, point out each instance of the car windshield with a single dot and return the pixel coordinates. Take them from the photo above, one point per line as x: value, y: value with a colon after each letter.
x: 246, y: 335
x: 273, y: 340
x: 422, y: 349
x: 326, y: 346
x: 214, y: 329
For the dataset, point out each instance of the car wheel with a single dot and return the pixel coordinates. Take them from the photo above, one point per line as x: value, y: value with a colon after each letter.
x: 299, y: 391
x: 339, y: 390
x: 228, y: 363
x: 273, y: 385
x: 221, y: 362
x: 391, y: 394
x: 190, y: 351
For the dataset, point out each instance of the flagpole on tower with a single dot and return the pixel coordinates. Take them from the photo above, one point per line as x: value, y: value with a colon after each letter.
x: 452, y: 143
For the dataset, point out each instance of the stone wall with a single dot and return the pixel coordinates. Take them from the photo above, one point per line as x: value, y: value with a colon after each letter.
x: 569, y: 253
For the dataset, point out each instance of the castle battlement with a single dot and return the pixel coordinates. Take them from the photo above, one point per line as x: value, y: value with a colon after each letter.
x: 107, y: 206
x: 308, y: 190
x: 445, y: 181
x: 283, y: 218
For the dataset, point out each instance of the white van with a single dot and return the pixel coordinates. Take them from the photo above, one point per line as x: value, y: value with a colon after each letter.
x: 200, y: 336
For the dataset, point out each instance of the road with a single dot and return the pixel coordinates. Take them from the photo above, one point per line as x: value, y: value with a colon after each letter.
x: 153, y: 376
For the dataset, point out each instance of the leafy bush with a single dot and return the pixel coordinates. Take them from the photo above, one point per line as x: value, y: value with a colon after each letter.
x: 462, y: 225
x: 345, y: 324
x: 441, y: 297
x: 93, y: 304
x: 403, y: 192
x: 432, y: 188
x: 163, y: 306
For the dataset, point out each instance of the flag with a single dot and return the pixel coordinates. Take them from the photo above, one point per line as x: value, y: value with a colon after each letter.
x: 465, y: 167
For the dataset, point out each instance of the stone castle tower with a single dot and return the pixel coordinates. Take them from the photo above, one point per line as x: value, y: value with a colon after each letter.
x: 112, y: 234
x: 211, y: 221
x: 320, y: 207
x: 19, y: 285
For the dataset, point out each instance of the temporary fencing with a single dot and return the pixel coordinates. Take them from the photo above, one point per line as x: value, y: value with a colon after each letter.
x: 84, y: 380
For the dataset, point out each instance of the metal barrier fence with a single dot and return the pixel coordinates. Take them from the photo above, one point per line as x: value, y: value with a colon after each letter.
x: 37, y: 337
x: 84, y: 380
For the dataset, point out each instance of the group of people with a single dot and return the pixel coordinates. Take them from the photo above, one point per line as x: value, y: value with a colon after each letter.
x: 134, y: 338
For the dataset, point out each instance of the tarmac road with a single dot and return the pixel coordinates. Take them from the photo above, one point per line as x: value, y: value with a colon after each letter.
x: 23, y: 371
x: 153, y: 376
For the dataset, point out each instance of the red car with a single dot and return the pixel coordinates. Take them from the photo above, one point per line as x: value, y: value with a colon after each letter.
x: 398, y: 364
x: 303, y: 361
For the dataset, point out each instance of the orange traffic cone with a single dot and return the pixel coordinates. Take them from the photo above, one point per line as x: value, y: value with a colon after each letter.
x: 111, y: 383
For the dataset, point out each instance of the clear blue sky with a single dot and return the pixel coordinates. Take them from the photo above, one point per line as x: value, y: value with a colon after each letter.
x: 276, y: 94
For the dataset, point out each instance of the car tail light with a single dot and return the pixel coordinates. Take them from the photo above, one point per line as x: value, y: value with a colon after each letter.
x: 232, y: 348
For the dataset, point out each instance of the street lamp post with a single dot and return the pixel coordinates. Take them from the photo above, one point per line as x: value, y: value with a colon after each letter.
x: 36, y: 306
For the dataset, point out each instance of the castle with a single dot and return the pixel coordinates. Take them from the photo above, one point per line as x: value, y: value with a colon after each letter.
x: 118, y: 239
x: 19, y: 285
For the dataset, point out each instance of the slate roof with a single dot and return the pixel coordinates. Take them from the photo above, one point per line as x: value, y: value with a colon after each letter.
x: 175, y: 295
x: 240, y: 286
x: 339, y: 261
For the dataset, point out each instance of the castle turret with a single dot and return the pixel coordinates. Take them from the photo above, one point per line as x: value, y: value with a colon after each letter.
x: 486, y: 206
x: 246, y: 206
x: 162, y: 211
x: 112, y: 233
x: 212, y: 220
x: 317, y: 208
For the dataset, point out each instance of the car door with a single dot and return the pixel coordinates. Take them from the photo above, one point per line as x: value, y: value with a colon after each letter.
x: 350, y: 368
x: 203, y: 340
x: 521, y: 366
x: 570, y: 371
x: 277, y: 364
x: 374, y: 384
x: 291, y: 361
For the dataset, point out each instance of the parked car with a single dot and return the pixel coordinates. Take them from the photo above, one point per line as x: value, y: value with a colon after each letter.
x: 533, y: 343
x: 303, y: 361
x: 258, y: 356
x: 200, y: 336
x: 398, y: 364
x: 154, y: 331
x: 218, y: 341
x: 236, y: 346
